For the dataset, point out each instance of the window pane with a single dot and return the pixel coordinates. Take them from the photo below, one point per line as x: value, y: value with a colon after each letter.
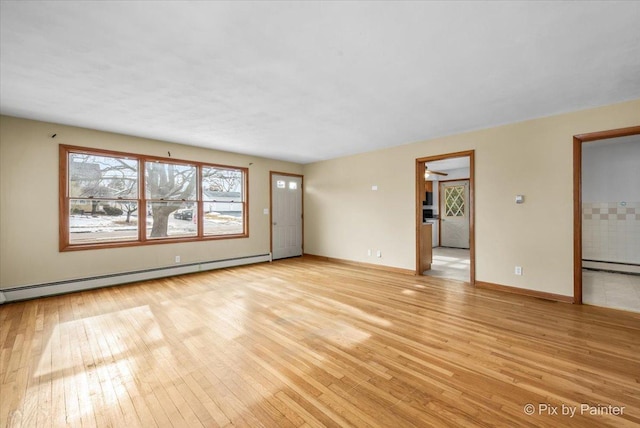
x: 293, y: 185
x: 168, y: 181
x: 280, y: 184
x: 224, y: 222
x: 102, y: 176
x: 222, y: 192
x: 454, y: 201
x: 167, y: 219
x: 221, y: 184
x: 94, y: 221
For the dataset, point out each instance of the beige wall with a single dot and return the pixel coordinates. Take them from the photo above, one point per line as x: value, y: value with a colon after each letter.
x: 29, y: 206
x: 344, y: 217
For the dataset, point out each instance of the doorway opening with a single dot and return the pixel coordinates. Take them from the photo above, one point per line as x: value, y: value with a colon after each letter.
x: 286, y: 215
x: 445, y: 244
x: 606, y: 200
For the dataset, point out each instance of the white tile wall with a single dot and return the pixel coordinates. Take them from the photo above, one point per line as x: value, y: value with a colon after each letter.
x: 611, y: 231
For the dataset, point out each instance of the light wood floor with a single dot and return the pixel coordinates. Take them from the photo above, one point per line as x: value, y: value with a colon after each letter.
x: 303, y: 342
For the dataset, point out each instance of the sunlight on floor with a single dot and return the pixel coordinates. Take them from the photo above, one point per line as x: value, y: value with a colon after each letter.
x: 450, y: 263
x: 111, y: 331
x: 81, y: 375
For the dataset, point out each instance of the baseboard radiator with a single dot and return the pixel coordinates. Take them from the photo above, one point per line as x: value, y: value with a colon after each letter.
x: 611, y: 266
x: 70, y: 286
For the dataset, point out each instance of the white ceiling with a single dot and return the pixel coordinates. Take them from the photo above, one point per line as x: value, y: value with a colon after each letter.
x: 630, y: 139
x: 306, y: 81
x: 449, y: 164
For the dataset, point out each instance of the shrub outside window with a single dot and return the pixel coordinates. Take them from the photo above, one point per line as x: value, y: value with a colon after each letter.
x: 113, y: 199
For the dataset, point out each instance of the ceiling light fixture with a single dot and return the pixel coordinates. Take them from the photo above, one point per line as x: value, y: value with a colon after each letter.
x: 428, y: 172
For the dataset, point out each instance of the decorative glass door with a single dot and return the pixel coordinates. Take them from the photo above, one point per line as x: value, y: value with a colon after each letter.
x: 454, y: 219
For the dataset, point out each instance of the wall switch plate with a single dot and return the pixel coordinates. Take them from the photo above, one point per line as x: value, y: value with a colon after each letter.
x: 518, y: 270
x: 177, y: 259
x: 374, y: 187
x: 368, y: 252
x: 519, y: 199
x: 265, y: 211
x: 379, y: 253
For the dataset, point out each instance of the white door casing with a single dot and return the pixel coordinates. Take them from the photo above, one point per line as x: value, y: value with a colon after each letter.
x: 454, y: 214
x: 286, y: 216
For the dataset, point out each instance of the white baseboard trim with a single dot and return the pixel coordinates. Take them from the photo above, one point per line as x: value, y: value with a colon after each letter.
x: 611, y: 266
x: 70, y: 286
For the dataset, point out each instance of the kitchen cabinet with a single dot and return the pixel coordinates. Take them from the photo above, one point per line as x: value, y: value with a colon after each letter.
x: 426, y: 249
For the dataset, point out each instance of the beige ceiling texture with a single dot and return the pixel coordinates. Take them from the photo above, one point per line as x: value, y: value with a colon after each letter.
x: 306, y: 81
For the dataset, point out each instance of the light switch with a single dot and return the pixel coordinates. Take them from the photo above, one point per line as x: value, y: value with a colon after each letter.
x: 265, y: 211
x: 519, y: 199
x: 374, y: 187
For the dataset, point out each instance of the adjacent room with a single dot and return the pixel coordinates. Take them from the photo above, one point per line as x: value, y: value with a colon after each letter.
x: 611, y: 222
x: 308, y: 214
x: 446, y: 207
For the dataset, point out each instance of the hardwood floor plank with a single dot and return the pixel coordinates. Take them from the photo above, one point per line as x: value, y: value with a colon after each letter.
x: 305, y: 342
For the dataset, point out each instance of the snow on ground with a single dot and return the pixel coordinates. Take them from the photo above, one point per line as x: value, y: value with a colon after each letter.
x: 98, y: 224
x: 89, y: 224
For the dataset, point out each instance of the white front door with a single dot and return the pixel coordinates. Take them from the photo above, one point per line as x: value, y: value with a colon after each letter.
x: 454, y: 214
x: 286, y: 216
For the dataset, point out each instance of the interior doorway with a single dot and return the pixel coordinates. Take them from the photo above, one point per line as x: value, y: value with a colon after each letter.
x: 429, y: 214
x: 286, y: 215
x: 610, y: 219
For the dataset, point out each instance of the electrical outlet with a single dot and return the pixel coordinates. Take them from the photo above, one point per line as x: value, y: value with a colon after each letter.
x: 177, y: 259
x: 369, y: 252
x: 518, y: 270
x: 379, y: 253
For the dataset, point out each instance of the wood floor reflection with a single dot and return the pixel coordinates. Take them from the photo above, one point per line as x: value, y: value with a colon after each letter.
x: 303, y: 342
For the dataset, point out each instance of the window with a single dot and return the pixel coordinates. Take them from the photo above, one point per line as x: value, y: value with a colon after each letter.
x: 102, y: 198
x: 454, y: 201
x: 171, y: 192
x: 111, y: 199
x: 222, y: 198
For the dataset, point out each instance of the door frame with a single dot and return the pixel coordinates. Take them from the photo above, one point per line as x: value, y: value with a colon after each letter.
x: 286, y: 174
x: 419, y: 185
x: 440, y: 201
x: 578, y: 141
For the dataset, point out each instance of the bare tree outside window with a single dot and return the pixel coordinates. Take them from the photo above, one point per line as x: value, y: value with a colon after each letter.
x: 120, y: 199
x: 222, y: 180
x: 223, y: 199
x: 98, y: 186
x: 129, y: 208
x: 168, y: 188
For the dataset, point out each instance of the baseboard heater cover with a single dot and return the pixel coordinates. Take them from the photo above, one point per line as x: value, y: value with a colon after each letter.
x: 73, y: 285
x: 608, y: 266
x: 610, y: 262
